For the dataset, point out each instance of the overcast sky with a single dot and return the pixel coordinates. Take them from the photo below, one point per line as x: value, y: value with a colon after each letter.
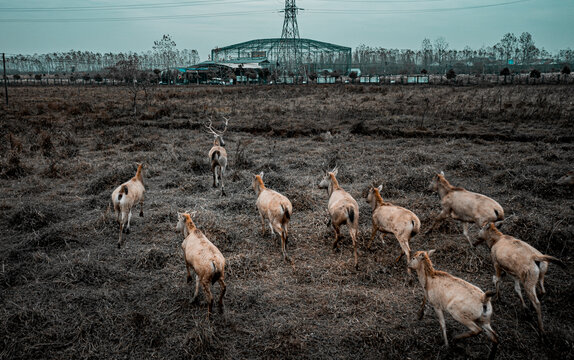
x: 42, y: 26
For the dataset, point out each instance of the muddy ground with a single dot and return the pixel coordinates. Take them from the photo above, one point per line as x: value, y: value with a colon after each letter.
x: 68, y: 292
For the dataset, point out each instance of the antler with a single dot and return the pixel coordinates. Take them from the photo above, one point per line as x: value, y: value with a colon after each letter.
x: 226, y: 122
x: 213, y: 131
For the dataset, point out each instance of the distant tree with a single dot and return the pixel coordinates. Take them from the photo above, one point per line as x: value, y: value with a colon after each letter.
x: 335, y: 74
x: 505, y: 72
x: 17, y: 77
x: 165, y: 50
x: 450, y: 74
x: 527, y: 48
x: 157, y: 73
x: 313, y: 76
x: 265, y: 74
x: 38, y: 77
x: 441, y: 47
x: 507, y: 46
x: 98, y: 78
x: 353, y: 75
x: 565, y: 72
x: 251, y: 74
x: 426, y: 49
x: 128, y: 70
x: 424, y: 71
x: 86, y: 77
x: 535, y: 74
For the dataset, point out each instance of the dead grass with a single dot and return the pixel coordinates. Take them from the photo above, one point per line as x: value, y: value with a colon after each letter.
x: 68, y: 292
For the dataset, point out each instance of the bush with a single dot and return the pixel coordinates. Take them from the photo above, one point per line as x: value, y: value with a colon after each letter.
x: 353, y: 75
x: 535, y: 74
x: 505, y: 72
x: 450, y: 74
x: 38, y: 77
x: 98, y: 78
x: 565, y: 70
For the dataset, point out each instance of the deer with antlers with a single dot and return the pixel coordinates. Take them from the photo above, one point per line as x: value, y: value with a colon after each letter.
x: 218, y: 155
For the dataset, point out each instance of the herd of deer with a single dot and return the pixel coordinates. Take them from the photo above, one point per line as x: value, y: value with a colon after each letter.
x: 467, y: 303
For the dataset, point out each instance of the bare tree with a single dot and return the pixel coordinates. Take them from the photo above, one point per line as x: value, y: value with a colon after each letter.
x: 508, y: 45
x: 165, y: 49
x: 426, y: 48
x: 527, y: 48
x: 441, y: 46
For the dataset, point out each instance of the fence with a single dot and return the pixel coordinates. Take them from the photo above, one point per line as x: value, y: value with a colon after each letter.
x: 460, y: 80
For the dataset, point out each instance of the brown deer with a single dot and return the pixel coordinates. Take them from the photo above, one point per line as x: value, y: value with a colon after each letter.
x: 218, y: 155
x: 520, y: 260
x: 392, y: 219
x: 463, y: 205
x: 343, y: 209
x: 274, y: 207
x: 204, y: 258
x: 465, y: 302
x: 124, y: 197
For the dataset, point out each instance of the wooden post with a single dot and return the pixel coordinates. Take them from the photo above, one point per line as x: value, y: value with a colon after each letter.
x: 5, y: 80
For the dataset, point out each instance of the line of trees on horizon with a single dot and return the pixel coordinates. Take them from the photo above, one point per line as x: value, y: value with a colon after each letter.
x: 516, y: 52
x: 512, y: 51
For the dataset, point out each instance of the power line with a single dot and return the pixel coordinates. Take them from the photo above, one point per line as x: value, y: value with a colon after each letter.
x: 410, y: 11
x: 142, y: 18
x: 121, y: 7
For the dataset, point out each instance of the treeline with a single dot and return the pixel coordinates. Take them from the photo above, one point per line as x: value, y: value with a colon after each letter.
x: 517, y: 52
x: 70, y: 62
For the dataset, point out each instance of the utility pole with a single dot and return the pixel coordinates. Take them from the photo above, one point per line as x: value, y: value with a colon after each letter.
x: 290, y: 46
x: 5, y: 85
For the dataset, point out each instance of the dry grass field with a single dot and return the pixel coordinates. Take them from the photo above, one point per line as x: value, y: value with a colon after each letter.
x: 68, y: 292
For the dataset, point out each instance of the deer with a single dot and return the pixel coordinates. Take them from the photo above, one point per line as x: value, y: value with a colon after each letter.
x: 218, y: 155
x: 525, y: 264
x: 274, y: 207
x: 342, y: 208
x: 392, y: 219
x: 125, y: 197
x: 467, y: 304
x: 463, y: 205
x: 204, y: 258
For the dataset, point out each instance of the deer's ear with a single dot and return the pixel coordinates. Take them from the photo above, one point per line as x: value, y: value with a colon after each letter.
x: 380, y: 188
x: 442, y: 173
x: 261, y: 174
x: 335, y: 171
x: 431, y: 252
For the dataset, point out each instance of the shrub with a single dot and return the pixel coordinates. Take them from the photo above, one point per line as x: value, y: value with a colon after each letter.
x: 450, y: 74
x: 565, y: 70
x: 505, y: 72
x: 535, y: 74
